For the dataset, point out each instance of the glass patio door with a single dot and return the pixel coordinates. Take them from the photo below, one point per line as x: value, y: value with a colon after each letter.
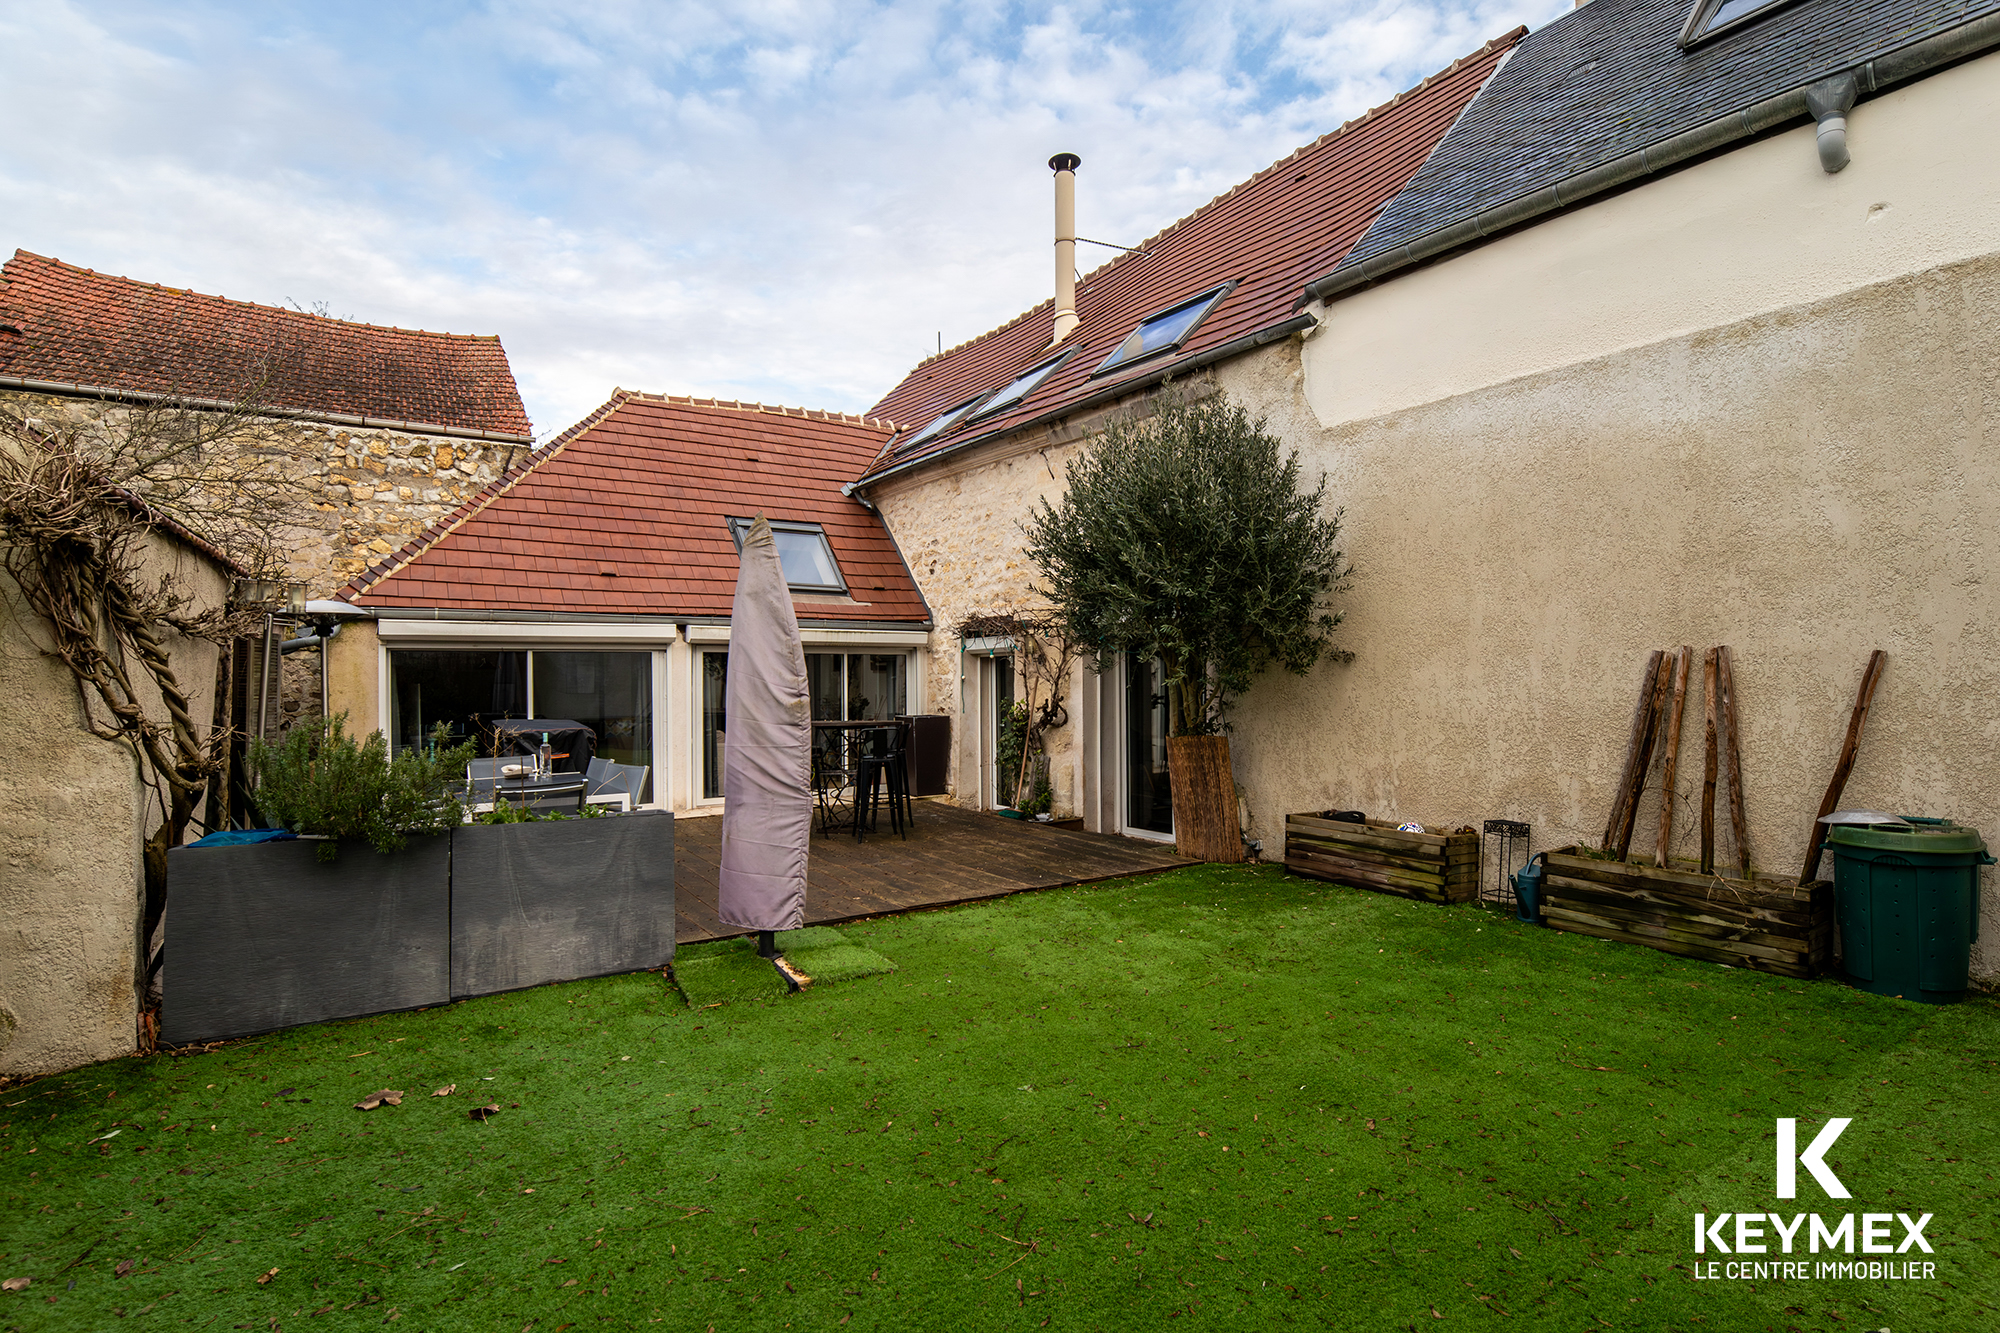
x: 1149, y: 798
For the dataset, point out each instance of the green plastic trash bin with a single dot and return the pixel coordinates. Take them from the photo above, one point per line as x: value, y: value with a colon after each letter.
x: 1908, y: 904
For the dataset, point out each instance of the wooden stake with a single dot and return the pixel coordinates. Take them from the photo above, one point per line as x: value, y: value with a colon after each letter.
x: 1683, y: 657
x: 1642, y: 717
x: 1871, y: 676
x: 1708, y: 766
x: 1739, y: 823
x: 1661, y: 683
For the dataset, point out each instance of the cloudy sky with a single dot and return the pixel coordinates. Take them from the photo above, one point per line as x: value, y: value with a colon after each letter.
x: 787, y: 201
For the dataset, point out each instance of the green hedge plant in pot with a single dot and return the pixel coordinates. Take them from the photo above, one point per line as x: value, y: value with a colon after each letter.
x: 281, y: 933
x: 320, y: 781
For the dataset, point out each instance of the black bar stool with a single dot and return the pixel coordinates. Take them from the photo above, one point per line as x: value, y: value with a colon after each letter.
x: 882, y: 768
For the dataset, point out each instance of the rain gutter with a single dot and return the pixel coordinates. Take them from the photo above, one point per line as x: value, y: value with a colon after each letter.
x: 1249, y: 342
x: 287, y: 413
x: 1873, y: 76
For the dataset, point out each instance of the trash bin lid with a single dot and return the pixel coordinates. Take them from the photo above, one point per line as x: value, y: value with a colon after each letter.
x: 1923, y: 835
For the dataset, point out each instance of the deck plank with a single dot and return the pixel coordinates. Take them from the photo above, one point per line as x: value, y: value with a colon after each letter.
x: 952, y: 855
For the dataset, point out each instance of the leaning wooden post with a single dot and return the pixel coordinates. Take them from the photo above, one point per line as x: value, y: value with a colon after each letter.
x: 1683, y: 656
x: 1739, y: 823
x: 1871, y: 676
x: 1642, y: 718
x: 1658, y: 710
x: 1708, y: 766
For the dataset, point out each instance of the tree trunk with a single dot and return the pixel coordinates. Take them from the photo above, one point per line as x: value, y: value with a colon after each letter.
x: 1204, y: 791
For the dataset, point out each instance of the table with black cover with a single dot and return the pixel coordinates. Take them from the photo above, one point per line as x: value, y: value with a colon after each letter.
x: 573, y: 744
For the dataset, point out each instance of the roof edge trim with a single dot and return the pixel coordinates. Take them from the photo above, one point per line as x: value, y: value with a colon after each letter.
x: 1109, y: 393
x: 1893, y: 67
x: 108, y: 394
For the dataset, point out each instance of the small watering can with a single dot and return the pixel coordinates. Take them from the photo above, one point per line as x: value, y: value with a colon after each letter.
x: 1528, y: 890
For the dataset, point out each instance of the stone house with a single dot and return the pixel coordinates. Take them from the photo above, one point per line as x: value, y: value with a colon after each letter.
x: 594, y: 582
x: 1684, y: 332
x: 992, y: 424
x: 383, y: 430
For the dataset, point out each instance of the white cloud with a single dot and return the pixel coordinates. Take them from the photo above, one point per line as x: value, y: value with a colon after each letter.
x: 779, y: 201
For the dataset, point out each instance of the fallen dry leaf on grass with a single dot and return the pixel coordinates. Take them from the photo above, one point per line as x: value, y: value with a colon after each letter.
x: 483, y: 1112
x: 17, y: 1284
x: 386, y: 1097
x: 124, y: 1267
x: 267, y: 1277
x: 446, y: 1090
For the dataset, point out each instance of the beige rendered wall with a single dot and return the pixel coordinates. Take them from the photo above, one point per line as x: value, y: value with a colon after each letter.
x: 1761, y: 228
x: 1804, y: 485
x: 71, y: 822
x: 354, y: 676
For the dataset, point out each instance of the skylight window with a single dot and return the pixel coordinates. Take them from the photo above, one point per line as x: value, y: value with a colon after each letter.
x: 1165, y: 331
x: 944, y: 422
x: 803, y: 553
x: 1710, y: 17
x: 1023, y: 385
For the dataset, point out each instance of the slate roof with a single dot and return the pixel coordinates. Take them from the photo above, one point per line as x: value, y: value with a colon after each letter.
x: 1610, y: 78
x: 69, y: 326
x: 624, y: 514
x: 1287, y: 224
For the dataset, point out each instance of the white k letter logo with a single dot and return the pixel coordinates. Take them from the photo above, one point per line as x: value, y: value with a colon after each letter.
x: 1790, y: 1158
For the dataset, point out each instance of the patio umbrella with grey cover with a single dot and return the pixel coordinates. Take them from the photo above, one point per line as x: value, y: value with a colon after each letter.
x: 767, y: 751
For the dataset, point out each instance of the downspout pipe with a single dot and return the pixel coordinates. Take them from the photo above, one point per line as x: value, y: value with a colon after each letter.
x: 1829, y: 101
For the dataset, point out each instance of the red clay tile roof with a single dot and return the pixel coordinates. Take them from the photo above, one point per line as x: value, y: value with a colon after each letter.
x: 644, y: 485
x: 60, y: 324
x: 1287, y: 224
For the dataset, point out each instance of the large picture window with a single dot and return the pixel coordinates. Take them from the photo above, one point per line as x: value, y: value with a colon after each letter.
x: 469, y: 690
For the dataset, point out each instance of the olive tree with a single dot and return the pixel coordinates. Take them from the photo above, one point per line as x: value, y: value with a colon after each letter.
x: 1186, y: 536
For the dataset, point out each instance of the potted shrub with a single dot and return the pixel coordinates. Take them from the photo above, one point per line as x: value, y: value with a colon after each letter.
x: 352, y: 919
x: 554, y: 897
x: 1184, y: 536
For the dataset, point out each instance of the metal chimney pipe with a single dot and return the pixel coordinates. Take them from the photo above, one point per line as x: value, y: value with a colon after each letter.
x: 1065, y: 165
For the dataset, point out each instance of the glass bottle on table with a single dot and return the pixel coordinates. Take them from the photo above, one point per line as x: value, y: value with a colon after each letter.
x: 542, y: 757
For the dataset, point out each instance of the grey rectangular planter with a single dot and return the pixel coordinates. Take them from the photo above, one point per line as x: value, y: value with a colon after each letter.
x: 266, y: 936
x: 556, y: 901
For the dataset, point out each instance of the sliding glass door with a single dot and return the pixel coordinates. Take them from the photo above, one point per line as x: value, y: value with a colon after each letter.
x: 842, y: 687
x: 469, y: 690
x: 1149, y: 796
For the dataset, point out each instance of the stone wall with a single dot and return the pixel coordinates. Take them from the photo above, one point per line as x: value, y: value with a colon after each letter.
x: 362, y: 492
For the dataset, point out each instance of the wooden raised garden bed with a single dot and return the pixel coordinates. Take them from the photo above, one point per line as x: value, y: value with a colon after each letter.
x: 1767, y: 925
x: 1433, y: 867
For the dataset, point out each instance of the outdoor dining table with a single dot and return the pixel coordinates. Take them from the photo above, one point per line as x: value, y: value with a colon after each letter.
x: 850, y: 736
x: 529, y: 787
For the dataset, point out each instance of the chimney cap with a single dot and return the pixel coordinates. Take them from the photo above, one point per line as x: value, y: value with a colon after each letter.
x: 1065, y: 162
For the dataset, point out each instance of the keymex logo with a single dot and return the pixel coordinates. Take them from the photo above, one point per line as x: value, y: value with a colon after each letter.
x: 1810, y: 1233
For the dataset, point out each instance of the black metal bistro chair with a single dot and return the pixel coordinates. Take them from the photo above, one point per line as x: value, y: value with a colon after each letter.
x: 833, y: 782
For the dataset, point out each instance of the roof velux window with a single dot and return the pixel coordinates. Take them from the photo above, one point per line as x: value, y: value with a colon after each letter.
x: 803, y: 553
x: 1710, y: 17
x: 1023, y: 385
x: 945, y: 421
x: 1165, y: 331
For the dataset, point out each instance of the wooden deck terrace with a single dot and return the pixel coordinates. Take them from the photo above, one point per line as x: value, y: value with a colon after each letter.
x: 952, y: 855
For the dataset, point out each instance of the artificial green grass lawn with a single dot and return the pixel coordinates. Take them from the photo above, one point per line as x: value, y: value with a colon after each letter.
x: 718, y: 971
x: 1222, y: 1096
